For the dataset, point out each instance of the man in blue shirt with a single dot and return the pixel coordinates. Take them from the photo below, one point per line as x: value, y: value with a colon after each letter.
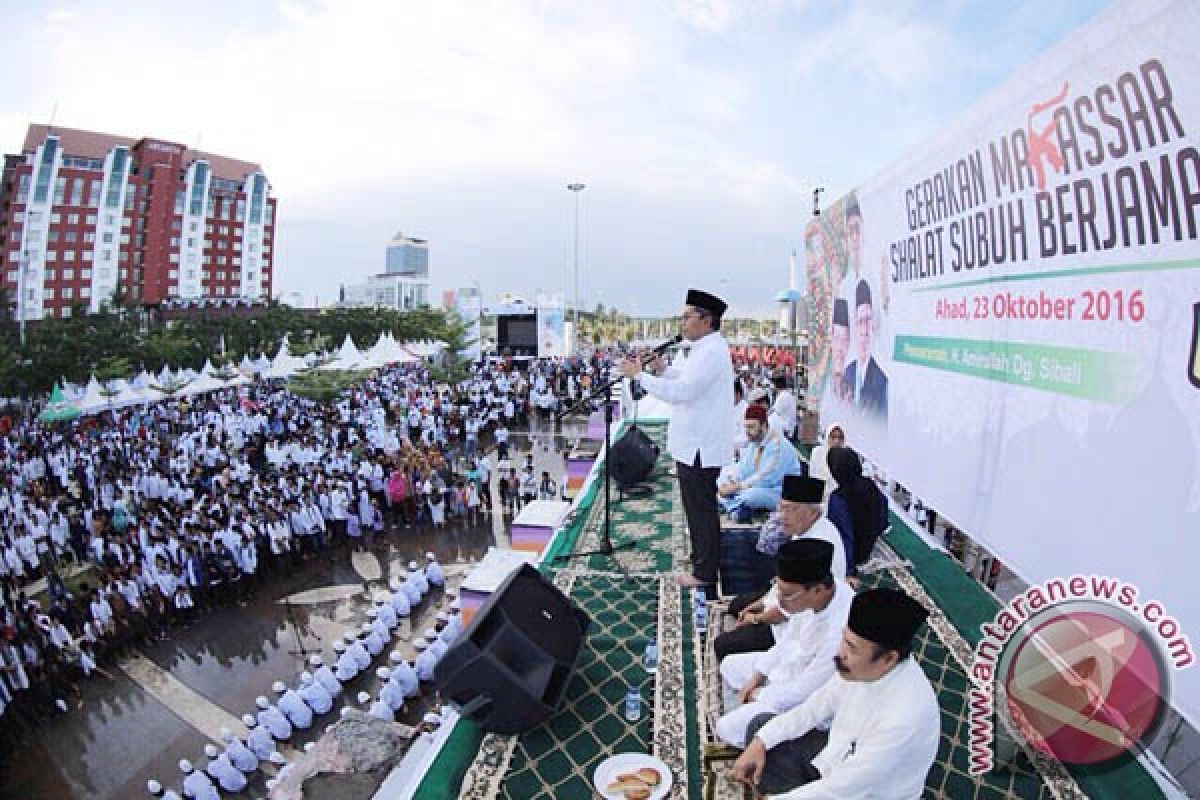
x: 756, y: 481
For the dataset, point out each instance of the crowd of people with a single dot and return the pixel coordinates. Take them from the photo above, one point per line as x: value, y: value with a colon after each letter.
x: 192, y: 504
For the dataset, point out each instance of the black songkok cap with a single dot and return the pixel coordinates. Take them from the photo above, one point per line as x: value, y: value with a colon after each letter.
x: 888, y: 617
x: 841, y: 312
x: 711, y: 303
x: 803, y: 489
x: 862, y: 294
x: 805, y: 560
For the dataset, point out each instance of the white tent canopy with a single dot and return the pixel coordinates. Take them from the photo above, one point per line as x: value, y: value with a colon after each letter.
x: 350, y: 357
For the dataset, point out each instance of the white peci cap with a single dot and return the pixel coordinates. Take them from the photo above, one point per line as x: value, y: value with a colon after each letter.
x: 249, y: 721
x: 430, y: 634
x: 278, y: 687
x: 306, y: 677
x: 430, y: 557
x: 262, y: 702
x: 185, y: 765
x: 226, y: 734
x: 315, y: 661
x: 396, y: 657
x: 412, y: 565
x: 364, y: 697
x: 153, y: 786
x: 372, y: 613
x: 210, y: 750
x: 308, y: 746
x: 383, y: 673
x: 339, y: 646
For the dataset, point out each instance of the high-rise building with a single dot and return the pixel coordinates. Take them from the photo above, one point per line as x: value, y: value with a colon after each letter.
x: 85, y: 216
x: 408, y: 256
x: 404, y: 284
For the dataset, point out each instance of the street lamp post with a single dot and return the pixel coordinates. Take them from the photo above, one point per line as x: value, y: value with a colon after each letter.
x: 576, y: 188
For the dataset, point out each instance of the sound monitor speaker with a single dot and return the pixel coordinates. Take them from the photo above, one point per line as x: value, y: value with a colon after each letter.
x: 509, y: 669
x: 632, y: 457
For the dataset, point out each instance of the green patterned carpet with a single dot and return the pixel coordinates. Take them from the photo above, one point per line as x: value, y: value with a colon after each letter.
x: 556, y: 760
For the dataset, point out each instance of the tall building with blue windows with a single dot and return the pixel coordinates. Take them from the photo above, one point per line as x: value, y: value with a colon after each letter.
x: 86, y: 217
x: 404, y: 283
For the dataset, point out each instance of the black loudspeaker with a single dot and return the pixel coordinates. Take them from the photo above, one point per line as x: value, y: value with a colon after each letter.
x: 509, y: 669
x: 632, y: 458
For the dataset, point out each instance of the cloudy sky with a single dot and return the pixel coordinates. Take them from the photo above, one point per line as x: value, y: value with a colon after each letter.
x: 699, y: 126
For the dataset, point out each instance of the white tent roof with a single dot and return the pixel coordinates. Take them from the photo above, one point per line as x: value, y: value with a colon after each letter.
x: 93, y: 399
x: 204, y: 383
x: 350, y: 357
x: 284, y: 365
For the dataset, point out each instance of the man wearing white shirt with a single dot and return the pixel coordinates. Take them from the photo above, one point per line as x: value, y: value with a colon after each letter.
x: 699, y: 437
x: 883, y: 717
x: 779, y: 679
x: 760, y: 619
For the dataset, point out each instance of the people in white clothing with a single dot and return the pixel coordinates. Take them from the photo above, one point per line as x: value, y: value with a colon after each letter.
x: 882, y: 714
x: 197, y: 785
x: 222, y: 771
x: 404, y: 675
x: 433, y: 571
x: 777, y: 680
x: 293, y: 706
x: 273, y: 720
x: 241, y: 756
x: 323, y: 675
x: 314, y: 695
x: 426, y: 661
x: 260, y: 741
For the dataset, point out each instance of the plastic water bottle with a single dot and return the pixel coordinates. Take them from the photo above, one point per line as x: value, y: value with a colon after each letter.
x: 633, y: 704
x: 650, y: 657
x: 701, y: 619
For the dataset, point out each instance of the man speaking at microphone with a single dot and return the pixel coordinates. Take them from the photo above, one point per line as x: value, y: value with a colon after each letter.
x: 699, y: 436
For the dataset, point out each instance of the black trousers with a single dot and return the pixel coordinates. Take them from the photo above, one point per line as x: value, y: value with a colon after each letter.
x: 698, y: 488
x: 789, y: 764
x: 755, y: 638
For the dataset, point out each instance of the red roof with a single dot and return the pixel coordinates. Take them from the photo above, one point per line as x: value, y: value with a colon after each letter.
x: 90, y: 144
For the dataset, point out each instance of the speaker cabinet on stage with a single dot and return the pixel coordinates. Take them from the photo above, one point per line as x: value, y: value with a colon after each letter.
x: 509, y: 669
x: 633, y: 457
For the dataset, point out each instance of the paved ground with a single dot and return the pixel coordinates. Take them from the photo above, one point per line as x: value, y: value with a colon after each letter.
x: 168, y: 700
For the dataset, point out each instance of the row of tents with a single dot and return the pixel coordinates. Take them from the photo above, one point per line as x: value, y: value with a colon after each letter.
x: 69, y: 402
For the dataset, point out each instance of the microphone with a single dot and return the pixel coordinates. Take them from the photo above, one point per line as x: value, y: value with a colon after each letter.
x: 635, y: 389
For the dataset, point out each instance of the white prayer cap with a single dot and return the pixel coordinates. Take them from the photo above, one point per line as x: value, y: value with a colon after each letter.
x: 185, y: 765
x: 315, y: 661
x: 210, y: 750
x: 249, y: 721
x: 430, y: 634
x: 306, y: 677
x: 412, y: 565
x: 277, y: 758
x: 271, y: 784
x: 433, y: 719
x: 365, y: 627
x: 372, y: 613
x: 420, y: 644
x: 443, y: 616
x: 394, y: 583
x: 153, y: 786
x: 350, y: 635
x: 396, y: 657
x: 380, y: 600
x: 339, y: 646
x: 364, y: 697
x: 262, y: 702
x: 278, y: 687
x: 226, y: 734
x: 308, y: 746
x: 345, y: 712
x: 431, y: 557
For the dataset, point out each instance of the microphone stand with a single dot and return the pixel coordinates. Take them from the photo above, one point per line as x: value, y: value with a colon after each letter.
x: 607, y: 548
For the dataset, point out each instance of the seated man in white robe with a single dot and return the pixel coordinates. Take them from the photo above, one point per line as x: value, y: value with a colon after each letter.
x: 783, y: 677
x: 883, y: 716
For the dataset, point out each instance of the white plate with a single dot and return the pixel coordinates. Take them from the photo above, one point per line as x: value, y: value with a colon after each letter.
x: 608, y: 769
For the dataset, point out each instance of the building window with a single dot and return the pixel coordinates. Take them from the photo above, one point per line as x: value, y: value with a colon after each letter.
x: 87, y: 255
x: 48, y: 294
x: 64, y: 312
x: 49, y: 274
x: 52, y: 236
x: 68, y: 293
x: 106, y: 255
x: 179, y: 201
x: 55, y: 218
x: 90, y: 219
x: 77, y: 194
x: 52, y: 255
x: 68, y: 255
x: 73, y: 219
x: 85, y: 273
x: 86, y: 291
x: 124, y: 238
x: 60, y: 189
x: 23, y: 188
x: 68, y: 274
x: 94, y: 198
x: 14, y: 276
x: 107, y: 237
x: 173, y: 274
x: 71, y: 237
x: 89, y: 237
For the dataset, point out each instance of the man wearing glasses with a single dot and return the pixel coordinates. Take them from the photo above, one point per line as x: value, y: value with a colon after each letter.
x: 699, y: 437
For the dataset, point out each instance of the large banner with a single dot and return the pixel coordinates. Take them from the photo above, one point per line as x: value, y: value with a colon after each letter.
x: 1008, y: 320
x: 552, y: 339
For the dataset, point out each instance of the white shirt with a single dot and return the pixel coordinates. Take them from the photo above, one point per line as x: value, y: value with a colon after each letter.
x: 701, y: 394
x: 799, y: 664
x: 882, y: 741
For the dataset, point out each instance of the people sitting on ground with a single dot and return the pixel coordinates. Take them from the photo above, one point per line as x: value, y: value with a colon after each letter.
x: 858, y: 508
x: 871, y: 730
x: 755, y: 481
x: 759, y: 619
x: 779, y: 679
x: 818, y: 463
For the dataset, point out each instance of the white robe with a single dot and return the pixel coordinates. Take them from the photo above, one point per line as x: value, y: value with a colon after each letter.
x: 882, y: 740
